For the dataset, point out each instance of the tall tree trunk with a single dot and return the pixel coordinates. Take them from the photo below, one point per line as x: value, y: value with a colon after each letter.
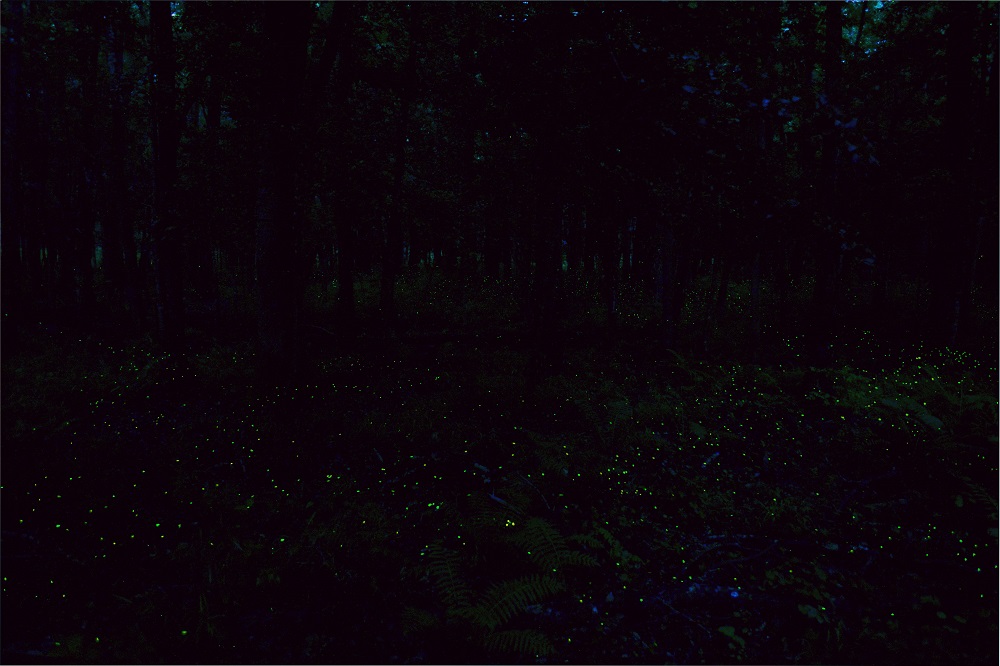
x: 574, y: 238
x: 84, y: 212
x: 122, y: 229
x: 279, y: 267
x: 609, y: 250
x: 861, y: 27
x: 113, y: 223
x: 85, y: 208
x: 542, y: 297
x: 472, y: 113
x: 166, y: 232
x: 11, y: 184
x: 985, y: 157
x: 721, y: 304
x: 824, y: 303
x: 767, y: 21
x: 756, y: 315
x: 492, y: 253
x: 209, y: 270
x: 344, y: 199
x: 393, y: 248
x: 393, y: 252
x: 954, y: 233
x: 345, y: 262
x: 674, y: 260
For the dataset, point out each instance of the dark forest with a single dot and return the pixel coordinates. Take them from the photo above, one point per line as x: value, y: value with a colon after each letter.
x: 513, y: 332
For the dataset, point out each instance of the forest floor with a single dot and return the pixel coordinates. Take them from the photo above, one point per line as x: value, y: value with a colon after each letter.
x: 451, y: 498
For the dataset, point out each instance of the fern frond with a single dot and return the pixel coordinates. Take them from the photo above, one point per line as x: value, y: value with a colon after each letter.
x: 586, y: 540
x: 981, y: 496
x: 503, y: 600
x: 444, y: 567
x: 575, y: 558
x: 542, y: 541
x: 547, y: 547
x: 551, y: 454
x: 519, y: 641
x: 486, y: 513
x: 615, y: 547
x: 415, y: 620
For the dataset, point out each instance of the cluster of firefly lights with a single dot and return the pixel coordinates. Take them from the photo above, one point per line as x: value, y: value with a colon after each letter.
x: 620, y: 476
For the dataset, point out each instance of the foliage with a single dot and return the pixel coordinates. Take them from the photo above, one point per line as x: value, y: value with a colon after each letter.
x: 532, y: 332
x: 634, y: 502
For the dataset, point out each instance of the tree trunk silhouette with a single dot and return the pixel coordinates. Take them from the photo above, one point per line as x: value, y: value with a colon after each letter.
x: 954, y: 232
x: 280, y: 276
x: 166, y: 232
x: 345, y: 200
x: 12, y: 208
x: 672, y: 280
x: 767, y: 31
x: 115, y: 187
x: 824, y: 304
x: 392, y: 255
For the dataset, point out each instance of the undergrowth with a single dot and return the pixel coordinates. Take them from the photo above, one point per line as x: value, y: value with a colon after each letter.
x: 446, y: 503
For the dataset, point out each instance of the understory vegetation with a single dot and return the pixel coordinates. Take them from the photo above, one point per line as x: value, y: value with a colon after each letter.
x: 461, y: 494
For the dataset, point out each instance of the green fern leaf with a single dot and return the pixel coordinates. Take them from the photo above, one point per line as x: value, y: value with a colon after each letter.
x: 547, y: 547
x: 415, y: 620
x: 981, y: 496
x: 574, y: 558
x: 542, y: 541
x: 444, y: 567
x: 519, y: 641
x: 503, y: 600
x: 587, y: 540
x: 615, y: 547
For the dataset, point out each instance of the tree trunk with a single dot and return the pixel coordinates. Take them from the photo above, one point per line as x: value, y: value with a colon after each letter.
x: 280, y: 278
x: 672, y: 285
x: 609, y: 250
x: 756, y: 314
x: 824, y: 303
x: 721, y: 304
x: 113, y: 223
x: 109, y: 24
x: 954, y: 233
x: 392, y: 254
x: 166, y: 233
x: 344, y: 198
x: 11, y: 200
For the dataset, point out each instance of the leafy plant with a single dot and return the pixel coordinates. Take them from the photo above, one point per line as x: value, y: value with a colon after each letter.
x: 486, y: 613
x: 985, y: 499
x: 503, y: 601
x: 547, y: 547
x: 445, y: 570
x: 519, y: 641
x: 490, y: 612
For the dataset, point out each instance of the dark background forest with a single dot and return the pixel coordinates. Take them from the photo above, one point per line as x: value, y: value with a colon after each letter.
x: 519, y: 332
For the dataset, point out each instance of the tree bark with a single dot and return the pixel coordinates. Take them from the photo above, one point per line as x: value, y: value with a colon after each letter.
x: 120, y: 265
x: 824, y: 303
x: 12, y: 209
x: 954, y: 233
x: 280, y: 276
x: 393, y: 249
x: 112, y: 227
x: 167, y: 236
x: 344, y: 199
